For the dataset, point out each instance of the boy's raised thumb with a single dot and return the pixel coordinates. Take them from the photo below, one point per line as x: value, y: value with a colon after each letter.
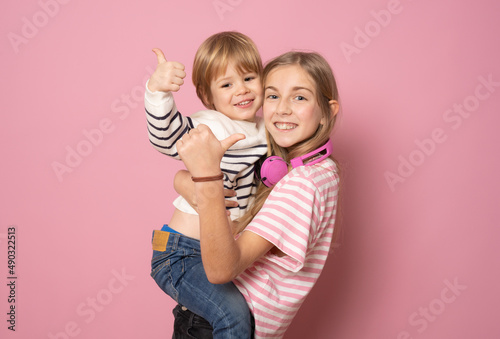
x: 159, y: 55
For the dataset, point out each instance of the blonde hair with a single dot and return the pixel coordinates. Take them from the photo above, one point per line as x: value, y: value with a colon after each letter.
x: 326, y: 90
x: 213, y: 56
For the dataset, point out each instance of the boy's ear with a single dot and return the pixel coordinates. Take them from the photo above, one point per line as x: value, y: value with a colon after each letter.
x: 208, y: 103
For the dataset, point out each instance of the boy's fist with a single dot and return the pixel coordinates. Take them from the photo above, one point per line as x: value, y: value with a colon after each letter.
x: 168, y: 76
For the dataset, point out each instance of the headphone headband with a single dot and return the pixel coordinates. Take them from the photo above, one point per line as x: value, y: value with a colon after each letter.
x: 273, y: 168
x: 299, y: 161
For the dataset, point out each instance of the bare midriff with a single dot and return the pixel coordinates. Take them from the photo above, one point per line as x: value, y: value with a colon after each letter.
x: 185, y: 223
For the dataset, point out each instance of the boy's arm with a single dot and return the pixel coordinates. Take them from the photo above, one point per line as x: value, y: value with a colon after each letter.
x: 165, y: 124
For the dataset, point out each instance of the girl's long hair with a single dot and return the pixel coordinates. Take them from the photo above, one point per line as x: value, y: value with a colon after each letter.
x: 326, y: 89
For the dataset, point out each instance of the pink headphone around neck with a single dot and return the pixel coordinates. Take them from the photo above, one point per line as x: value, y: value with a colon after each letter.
x: 274, y: 167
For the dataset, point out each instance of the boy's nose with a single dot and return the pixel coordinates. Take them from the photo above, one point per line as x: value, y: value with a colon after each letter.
x: 241, y: 89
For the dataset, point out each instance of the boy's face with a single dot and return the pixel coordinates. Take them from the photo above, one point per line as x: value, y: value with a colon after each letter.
x: 237, y: 96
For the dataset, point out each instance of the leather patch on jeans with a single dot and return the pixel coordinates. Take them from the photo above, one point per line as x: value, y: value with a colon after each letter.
x: 160, y: 239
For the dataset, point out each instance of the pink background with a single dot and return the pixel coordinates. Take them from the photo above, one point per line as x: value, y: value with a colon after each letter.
x: 421, y: 181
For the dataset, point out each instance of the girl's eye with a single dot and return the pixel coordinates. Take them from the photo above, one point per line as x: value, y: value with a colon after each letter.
x: 300, y: 97
x: 272, y: 96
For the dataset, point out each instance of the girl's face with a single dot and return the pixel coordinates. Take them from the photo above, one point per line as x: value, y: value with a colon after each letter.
x: 291, y: 111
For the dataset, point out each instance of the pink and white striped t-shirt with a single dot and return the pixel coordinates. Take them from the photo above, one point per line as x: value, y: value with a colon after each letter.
x: 298, y: 218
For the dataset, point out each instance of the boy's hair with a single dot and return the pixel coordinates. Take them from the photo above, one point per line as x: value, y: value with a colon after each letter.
x: 322, y: 76
x: 213, y: 56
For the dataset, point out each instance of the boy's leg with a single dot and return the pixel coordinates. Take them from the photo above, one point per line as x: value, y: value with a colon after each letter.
x: 222, y: 305
x: 178, y: 270
x: 188, y: 325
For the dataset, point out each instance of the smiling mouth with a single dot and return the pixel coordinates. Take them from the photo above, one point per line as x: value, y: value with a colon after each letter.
x: 244, y: 103
x: 284, y: 125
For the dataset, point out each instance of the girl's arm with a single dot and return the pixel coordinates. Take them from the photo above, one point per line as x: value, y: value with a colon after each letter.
x: 223, y: 257
x: 184, y: 186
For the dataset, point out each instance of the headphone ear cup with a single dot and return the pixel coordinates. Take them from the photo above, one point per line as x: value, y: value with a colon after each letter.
x: 258, y: 167
x: 272, y: 170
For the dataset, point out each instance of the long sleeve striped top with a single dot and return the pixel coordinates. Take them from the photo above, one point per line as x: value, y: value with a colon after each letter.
x: 166, y: 125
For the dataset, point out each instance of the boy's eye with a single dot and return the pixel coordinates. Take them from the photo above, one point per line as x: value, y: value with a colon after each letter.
x: 225, y: 85
x: 249, y: 78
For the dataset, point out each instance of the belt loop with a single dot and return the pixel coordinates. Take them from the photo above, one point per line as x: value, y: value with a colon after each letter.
x: 175, y: 240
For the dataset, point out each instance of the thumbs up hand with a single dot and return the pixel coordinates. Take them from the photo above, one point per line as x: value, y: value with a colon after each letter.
x: 202, y: 152
x: 168, y: 76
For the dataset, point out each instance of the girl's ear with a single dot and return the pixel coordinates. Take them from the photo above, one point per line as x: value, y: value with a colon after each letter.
x: 334, y: 107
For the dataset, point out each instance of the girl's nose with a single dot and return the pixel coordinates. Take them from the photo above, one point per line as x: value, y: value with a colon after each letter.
x: 283, y: 108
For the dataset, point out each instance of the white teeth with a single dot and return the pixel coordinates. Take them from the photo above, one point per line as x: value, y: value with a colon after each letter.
x: 284, y: 125
x: 244, y: 103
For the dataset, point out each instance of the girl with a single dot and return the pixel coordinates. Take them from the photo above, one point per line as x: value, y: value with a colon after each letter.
x: 287, y: 233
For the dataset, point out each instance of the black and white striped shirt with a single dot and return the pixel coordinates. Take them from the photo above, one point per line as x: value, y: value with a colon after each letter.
x: 166, y: 125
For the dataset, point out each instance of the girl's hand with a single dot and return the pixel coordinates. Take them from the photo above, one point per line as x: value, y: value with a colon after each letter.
x: 202, y: 152
x: 168, y: 76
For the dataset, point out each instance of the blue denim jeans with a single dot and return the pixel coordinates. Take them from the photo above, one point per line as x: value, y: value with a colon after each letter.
x: 178, y: 270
